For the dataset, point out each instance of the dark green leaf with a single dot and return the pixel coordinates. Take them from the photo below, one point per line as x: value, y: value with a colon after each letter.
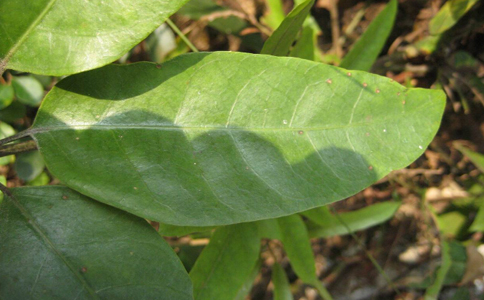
x: 57, y: 244
x: 13, y: 112
x: 324, y: 224
x: 366, y: 50
x: 281, y: 40
x: 28, y: 90
x: 64, y: 37
x: 209, y: 139
x: 226, y: 263
x: 282, y: 290
x: 29, y: 165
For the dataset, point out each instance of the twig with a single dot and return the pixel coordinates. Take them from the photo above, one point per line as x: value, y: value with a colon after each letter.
x: 18, y: 148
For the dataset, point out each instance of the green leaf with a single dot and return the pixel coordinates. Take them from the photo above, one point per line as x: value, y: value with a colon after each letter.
x: 209, y: 139
x: 296, y: 242
x: 449, y: 14
x: 249, y: 282
x: 57, y: 244
x: 28, y: 90
x: 275, y: 14
x: 64, y: 37
x: 6, y: 95
x: 280, y: 41
x: 325, y: 224
x: 305, y: 46
x: 6, y: 131
x: 297, y: 245
x: 225, y: 264
x: 282, y: 290
x: 476, y: 158
x: 432, y: 292
x: 29, y: 165
x: 366, y: 50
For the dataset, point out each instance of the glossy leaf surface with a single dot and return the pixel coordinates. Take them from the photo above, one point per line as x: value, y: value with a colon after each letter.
x: 59, y: 37
x: 219, y: 138
x: 226, y: 263
x: 57, y: 244
x: 365, y: 51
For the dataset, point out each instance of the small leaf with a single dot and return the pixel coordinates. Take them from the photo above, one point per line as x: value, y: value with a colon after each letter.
x: 6, y: 95
x: 225, y: 264
x: 296, y: 242
x: 172, y: 230
x: 476, y: 158
x: 282, y: 290
x: 210, y: 139
x: 65, y: 37
x: 281, y: 40
x: 324, y: 224
x: 366, y: 50
x: 449, y: 14
x: 58, y: 244
x: 432, y: 291
x: 29, y: 165
x: 305, y: 46
x: 28, y: 90
x: 249, y: 282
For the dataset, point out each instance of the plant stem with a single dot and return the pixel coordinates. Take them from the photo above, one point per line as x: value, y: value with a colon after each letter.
x: 181, y: 35
x: 15, y: 137
x: 18, y: 148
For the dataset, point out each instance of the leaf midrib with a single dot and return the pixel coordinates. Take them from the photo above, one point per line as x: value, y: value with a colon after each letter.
x: 31, y: 220
x: 26, y: 34
x: 41, y: 129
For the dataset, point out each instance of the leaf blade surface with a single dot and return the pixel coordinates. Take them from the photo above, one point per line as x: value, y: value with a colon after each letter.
x: 221, y: 138
x: 59, y: 37
x: 57, y: 244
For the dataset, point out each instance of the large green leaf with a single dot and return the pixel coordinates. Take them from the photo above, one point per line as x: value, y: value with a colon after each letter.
x: 59, y: 37
x: 57, y: 244
x: 226, y: 263
x: 368, y: 47
x: 281, y: 40
x: 219, y: 138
